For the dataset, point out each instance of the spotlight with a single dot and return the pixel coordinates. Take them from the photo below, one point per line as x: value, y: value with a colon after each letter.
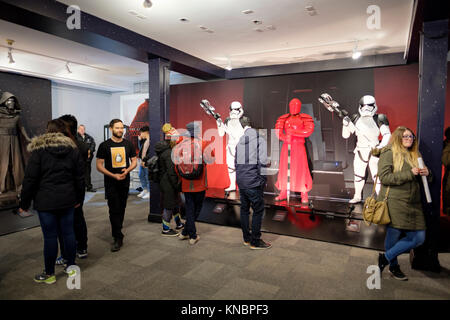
x: 356, y: 54
x: 10, y: 57
x: 147, y: 4
x: 68, y: 68
x: 229, y: 67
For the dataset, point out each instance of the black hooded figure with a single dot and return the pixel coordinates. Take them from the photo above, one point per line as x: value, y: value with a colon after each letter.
x: 13, y: 140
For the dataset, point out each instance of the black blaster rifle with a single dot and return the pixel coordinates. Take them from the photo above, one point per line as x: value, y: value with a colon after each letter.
x: 332, y: 105
x: 209, y: 109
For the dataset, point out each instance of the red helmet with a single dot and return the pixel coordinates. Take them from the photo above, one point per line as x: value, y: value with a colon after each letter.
x: 295, y: 106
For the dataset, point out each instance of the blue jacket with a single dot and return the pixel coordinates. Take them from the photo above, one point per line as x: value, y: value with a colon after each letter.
x: 251, y: 156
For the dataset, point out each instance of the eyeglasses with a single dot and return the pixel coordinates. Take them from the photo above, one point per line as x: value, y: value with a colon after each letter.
x: 408, y: 137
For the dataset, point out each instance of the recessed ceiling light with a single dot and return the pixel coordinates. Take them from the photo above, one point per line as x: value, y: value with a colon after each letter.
x: 247, y: 11
x: 257, y: 21
x: 140, y: 16
x: 132, y: 12
x: 147, y: 4
x: 206, y: 29
x: 258, y: 30
x: 184, y: 19
x: 311, y: 10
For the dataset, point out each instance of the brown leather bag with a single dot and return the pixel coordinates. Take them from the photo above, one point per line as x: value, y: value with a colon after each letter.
x: 374, y: 211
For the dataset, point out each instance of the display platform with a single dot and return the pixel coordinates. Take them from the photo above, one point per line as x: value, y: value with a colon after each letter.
x: 332, y: 220
x: 11, y: 222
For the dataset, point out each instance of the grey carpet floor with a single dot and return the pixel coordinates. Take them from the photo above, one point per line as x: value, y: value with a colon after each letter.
x: 150, y: 266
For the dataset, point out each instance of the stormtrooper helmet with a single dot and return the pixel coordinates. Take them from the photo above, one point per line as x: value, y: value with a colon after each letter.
x: 367, y: 106
x: 236, y: 110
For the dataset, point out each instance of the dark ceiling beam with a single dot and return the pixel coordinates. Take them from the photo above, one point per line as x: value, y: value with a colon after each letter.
x: 425, y: 11
x: 50, y: 17
x: 373, y: 61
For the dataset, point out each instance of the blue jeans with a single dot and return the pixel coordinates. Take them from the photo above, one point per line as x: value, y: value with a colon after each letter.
x: 395, y: 246
x: 253, y: 197
x: 143, y: 177
x: 194, y: 203
x: 54, y: 223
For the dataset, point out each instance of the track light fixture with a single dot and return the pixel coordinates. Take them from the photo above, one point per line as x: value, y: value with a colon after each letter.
x: 10, y: 57
x: 68, y: 68
x: 356, y: 54
x: 229, y: 67
x: 147, y: 4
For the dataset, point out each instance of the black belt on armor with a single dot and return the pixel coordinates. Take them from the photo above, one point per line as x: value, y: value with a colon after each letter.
x: 8, y: 131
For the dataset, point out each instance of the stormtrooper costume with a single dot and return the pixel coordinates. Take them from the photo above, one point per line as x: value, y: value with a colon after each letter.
x: 233, y: 128
x: 367, y: 126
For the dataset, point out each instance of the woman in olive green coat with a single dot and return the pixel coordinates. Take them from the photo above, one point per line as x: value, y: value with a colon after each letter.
x: 398, y: 170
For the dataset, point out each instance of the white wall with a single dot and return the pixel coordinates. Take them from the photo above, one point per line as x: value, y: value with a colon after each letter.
x: 91, y: 108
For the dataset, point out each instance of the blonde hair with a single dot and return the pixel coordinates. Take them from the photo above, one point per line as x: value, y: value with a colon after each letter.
x: 401, y: 154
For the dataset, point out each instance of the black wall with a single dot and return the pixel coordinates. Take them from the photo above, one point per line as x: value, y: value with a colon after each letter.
x: 35, y: 99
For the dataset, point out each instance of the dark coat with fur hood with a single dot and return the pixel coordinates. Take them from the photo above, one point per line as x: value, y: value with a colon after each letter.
x: 54, y: 176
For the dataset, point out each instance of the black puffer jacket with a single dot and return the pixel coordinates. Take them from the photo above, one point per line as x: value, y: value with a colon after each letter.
x: 169, y: 183
x: 54, y: 176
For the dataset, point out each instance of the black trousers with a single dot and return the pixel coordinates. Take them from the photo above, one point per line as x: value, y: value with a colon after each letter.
x: 80, y: 228
x: 80, y: 231
x: 117, y: 195
x: 87, y: 175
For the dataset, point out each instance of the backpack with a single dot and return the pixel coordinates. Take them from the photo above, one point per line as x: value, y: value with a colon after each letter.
x: 154, y: 172
x: 190, y: 159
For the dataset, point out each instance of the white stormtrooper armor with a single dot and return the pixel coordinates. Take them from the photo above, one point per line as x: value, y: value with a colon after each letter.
x: 367, y: 126
x: 233, y: 128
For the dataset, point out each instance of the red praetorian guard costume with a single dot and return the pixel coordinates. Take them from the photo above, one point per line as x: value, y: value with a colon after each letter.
x: 293, y: 128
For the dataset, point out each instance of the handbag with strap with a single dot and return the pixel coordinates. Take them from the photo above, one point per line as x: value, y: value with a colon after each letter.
x: 374, y: 211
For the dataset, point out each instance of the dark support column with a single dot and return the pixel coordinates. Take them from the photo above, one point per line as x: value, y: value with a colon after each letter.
x: 430, y: 124
x: 158, y: 80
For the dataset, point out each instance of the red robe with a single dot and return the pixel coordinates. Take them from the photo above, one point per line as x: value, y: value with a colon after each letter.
x: 294, y: 129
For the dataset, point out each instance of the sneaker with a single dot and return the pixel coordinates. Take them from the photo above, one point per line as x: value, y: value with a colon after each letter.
x: 116, y: 245
x: 146, y: 195
x: 70, y: 271
x: 382, y: 262
x: 140, y: 195
x: 261, y: 245
x: 396, y: 273
x: 194, y: 241
x: 246, y: 243
x: 82, y: 254
x: 60, y: 261
x: 182, y: 236
x: 169, y: 233
x: 45, y: 278
x: 179, y: 227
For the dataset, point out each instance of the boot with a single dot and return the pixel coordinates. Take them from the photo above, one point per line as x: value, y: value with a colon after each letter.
x: 232, y: 186
x: 282, y: 195
x: 358, y: 192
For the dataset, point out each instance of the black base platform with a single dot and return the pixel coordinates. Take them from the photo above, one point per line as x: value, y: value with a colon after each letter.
x: 11, y: 222
x: 331, y: 220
